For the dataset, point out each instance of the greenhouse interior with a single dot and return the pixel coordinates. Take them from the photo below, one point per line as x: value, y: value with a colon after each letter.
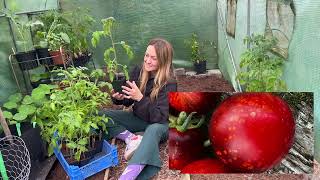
x: 68, y: 65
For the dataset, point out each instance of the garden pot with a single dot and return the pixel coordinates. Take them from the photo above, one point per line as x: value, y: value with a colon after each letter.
x: 57, y: 57
x: 27, y: 60
x: 200, y: 67
x: 87, y: 156
x: 120, y: 80
x: 81, y: 60
x: 41, y: 81
x: 44, y: 56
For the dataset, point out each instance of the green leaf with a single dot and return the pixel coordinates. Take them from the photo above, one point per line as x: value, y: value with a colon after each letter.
x: 108, y: 24
x: 96, y: 38
x: 87, y: 128
x: 7, y: 114
x: 127, y: 49
x: 111, y: 76
x: 27, y: 100
x: 83, y: 141
x: 20, y: 117
x: 94, y: 125
x: 71, y: 145
x: 77, y: 155
x: 15, y: 97
x: 10, y: 105
x: 107, y: 53
x: 27, y: 109
x: 65, y: 37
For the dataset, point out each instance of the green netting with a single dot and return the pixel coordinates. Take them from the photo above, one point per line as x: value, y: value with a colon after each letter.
x: 7, y: 84
x: 302, y: 71
x: 32, y: 5
x: 243, y: 27
x: 7, y: 81
x: 139, y: 21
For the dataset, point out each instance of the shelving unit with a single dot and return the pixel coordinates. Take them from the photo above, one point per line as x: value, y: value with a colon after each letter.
x: 15, y: 66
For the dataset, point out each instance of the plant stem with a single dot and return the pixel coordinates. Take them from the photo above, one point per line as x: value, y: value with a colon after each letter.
x: 113, y: 45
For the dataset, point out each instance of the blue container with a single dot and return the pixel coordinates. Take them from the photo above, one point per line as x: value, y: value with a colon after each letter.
x: 106, y: 158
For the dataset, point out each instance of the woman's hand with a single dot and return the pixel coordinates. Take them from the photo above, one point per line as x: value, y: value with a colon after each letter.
x: 133, y: 92
x: 117, y: 95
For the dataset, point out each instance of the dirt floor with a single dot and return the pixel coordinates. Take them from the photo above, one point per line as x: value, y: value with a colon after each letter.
x: 186, y: 83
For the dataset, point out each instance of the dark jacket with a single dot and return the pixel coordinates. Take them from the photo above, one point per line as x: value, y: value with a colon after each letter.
x: 145, y: 109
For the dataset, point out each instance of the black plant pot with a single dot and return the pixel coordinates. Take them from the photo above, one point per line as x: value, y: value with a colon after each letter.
x: 87, y: 156
x: 41, y: 81
x: 81, y: 60
x: 200, y: 67
x: 44, y: 56
x: 119, y: 81
x: 27, y: 60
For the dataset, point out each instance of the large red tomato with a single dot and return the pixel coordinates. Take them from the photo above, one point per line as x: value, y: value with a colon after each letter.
x: 200, y: 102
x: 205, y: 166
x: 252, y: 132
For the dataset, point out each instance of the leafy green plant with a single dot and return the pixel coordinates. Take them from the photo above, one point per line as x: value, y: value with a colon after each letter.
x: 54, y: 33
x: 260, y: 69
x: 22, y: 26
x: 38, y: 76
x: 196, y: 54
x: 72, y: 112
x: 21, y: 108
x: 110, y: 54
x: 80, y: 22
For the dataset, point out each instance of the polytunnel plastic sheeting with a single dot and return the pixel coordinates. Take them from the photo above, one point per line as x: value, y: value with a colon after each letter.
x: 141, y: 20
x: 7, y: 83
x: 302, y: 68
x: 302, y: 71
x: 243, y: 27
x: 32, y: 5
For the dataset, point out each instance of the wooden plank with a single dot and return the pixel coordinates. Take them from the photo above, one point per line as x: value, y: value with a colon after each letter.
x: 107, y: 171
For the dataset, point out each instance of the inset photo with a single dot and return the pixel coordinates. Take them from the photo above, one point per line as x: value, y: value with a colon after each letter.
x: 232, y: 132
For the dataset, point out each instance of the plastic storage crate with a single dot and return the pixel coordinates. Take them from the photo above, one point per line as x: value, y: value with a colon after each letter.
x: 106, y: 158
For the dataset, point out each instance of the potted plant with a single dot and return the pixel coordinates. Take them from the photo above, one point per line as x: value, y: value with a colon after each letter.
x: 71, y: 114
x: 53, y: 36
x: 117, y: 77
x: 80, y: 22
x: 26, y: 58
x: 40, y: 78
x: 197, y: 56
x: 260, y: 69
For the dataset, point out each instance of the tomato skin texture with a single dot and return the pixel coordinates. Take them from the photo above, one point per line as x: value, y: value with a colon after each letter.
x: 200, y: 102
x: 185, y: 147
x: 205, y: 166
x: 252, y: 132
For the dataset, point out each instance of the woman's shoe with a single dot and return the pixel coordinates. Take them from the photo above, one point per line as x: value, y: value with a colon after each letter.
x: 132, y: 145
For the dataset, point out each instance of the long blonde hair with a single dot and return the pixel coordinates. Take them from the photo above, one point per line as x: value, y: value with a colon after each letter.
x: 164, y: 53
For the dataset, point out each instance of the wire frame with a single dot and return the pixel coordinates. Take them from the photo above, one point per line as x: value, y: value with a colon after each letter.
x: 16, y: 158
